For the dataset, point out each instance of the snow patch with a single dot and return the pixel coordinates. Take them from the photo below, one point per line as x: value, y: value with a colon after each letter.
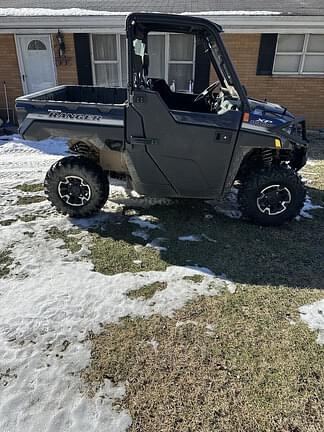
x: 141, y: 234
x: 313, y: 316
x: 156, y: 244
x: 190, y: 238
x: 232, y: 13
x: 308, y: 206
x: 145, y: 221
x: 29, y: 12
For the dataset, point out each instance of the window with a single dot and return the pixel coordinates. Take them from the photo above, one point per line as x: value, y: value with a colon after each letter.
x: 172, y: 57
x: 299, y: 54
x: 105, y: 60
x: 36, y: 45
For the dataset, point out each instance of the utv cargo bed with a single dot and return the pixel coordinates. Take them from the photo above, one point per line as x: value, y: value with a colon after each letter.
x: 64, y: 110
x: 87, y: 116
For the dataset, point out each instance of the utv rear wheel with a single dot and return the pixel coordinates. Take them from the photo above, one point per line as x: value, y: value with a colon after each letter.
x: 271, y: 196
x: 76, y: 186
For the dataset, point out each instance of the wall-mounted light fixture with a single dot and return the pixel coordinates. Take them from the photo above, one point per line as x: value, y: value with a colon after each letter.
x: 61, y: 47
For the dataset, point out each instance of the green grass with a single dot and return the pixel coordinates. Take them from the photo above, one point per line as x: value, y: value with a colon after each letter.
x: 115, y: 250
x: 28, y: 217
x: 147, y: 291
x: 70, y: 242
x: 7, y: 222
x: 195, y: 278
x: 34, y: 187
x: 5, y: 262
x: 26, y: 200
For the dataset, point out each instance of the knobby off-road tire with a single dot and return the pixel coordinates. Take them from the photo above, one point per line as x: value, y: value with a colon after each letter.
x: 76, y: 186
x: 271, y: 196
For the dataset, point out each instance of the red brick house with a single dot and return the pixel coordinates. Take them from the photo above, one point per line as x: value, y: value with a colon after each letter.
x: 277, y: 47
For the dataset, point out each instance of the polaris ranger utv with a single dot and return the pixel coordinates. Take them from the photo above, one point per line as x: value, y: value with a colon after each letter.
x: 169, y: 143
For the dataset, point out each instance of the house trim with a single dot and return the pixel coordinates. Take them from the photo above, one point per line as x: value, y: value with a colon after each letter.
x: 116, y: 24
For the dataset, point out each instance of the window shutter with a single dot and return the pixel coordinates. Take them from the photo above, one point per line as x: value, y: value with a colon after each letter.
x: 202, y: 68
x: 266, y: 53
x: 83, y: 58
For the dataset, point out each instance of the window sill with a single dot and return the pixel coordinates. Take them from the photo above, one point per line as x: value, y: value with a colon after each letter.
x: 295, y: 75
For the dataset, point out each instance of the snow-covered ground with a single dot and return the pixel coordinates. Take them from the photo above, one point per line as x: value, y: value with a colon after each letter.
x: 53, y: 298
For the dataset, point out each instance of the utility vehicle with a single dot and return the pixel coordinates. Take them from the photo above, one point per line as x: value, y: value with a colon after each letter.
x: 171, y: 144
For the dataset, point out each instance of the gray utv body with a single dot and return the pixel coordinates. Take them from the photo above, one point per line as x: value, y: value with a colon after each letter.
x: 166, y: 143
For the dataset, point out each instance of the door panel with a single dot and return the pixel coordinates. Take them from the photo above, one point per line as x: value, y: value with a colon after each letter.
x: 36, y: 62
x: 192, y: 150
x: 146, y: 175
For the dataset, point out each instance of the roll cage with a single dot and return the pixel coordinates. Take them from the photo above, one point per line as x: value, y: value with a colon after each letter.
x: 139, y: 25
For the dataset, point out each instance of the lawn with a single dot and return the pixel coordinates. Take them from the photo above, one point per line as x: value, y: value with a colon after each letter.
x: 200, y: 334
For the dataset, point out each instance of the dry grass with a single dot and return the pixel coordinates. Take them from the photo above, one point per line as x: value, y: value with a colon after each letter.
x: 5, y: 262
x: 147, y: 291
x: 238, y: 363
x: 7, y: 222
x: 27, y: 187
x: 197, y: 278
x: 25, y: 200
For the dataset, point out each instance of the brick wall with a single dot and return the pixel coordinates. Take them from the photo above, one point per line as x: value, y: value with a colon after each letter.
x: 66, y: 72
x: 9, y: 72
x: 304, y: 96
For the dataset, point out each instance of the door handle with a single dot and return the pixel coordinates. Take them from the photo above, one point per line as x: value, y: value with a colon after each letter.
x: 223, y: 136
x: 143, y: 141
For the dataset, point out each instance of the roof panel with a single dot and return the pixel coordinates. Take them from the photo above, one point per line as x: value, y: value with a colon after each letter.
x: 286, y: 7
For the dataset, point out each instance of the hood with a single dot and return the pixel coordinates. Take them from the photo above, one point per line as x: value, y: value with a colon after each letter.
x: 265, y: 113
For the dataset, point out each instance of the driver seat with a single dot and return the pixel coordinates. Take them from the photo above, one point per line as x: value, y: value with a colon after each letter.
x: 177, y: 101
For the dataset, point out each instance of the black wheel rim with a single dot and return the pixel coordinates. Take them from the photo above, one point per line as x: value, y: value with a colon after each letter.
x: 74, y: 191
x: 274, y: 200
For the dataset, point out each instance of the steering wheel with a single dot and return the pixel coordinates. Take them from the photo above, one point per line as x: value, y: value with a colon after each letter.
x: 207, y: 91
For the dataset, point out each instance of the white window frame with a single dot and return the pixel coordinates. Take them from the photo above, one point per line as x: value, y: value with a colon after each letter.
x: 302, y: 54
x: 119, y: 59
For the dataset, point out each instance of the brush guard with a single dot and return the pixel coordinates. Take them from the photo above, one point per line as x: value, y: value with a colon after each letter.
x: 298, y: 134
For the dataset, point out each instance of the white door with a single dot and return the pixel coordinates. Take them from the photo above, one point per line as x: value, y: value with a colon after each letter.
x: 36, y: 62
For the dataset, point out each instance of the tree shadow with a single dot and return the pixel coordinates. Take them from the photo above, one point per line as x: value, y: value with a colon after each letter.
x: 291, y: 255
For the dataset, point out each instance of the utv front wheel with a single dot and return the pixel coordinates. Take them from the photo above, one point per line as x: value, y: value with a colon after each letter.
x: 76, y: 186
x: 271, y: 196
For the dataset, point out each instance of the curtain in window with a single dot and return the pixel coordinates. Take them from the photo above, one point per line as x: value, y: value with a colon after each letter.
x: 107, y: 75
x: 156, y: 51
x: 105, y: 60
x: 104, y: 47
x: 181, y: 47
